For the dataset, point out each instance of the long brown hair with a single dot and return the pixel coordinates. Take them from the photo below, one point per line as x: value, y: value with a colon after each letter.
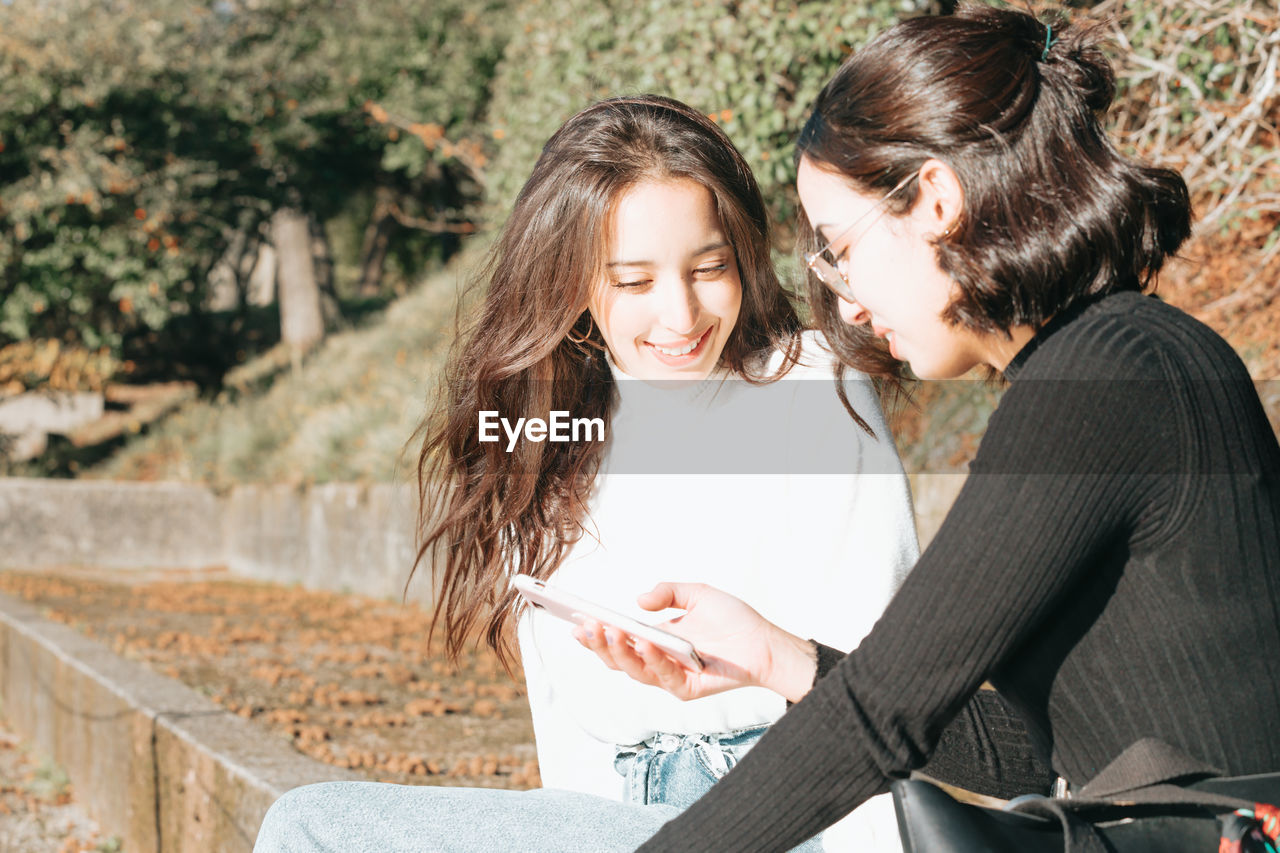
x: 531, y: 349
x: 1053, y: 214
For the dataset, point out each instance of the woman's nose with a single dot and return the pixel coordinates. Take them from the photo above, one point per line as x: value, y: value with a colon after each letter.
x: 853, y: 313
x: 680, y: 308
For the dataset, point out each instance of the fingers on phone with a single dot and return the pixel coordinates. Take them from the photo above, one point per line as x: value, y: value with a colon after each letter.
x: 624, y: 654
x: 591, y: 635
x: 584, y: 632
x: 655, y: 659
x: 666, y: 672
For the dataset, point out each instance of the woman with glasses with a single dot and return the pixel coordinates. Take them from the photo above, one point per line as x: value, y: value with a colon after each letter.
x: 632, y: 284
x: 1112, y: 565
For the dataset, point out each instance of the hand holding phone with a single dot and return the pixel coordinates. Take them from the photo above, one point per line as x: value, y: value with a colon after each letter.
x: 738, y: 647
x: 571, y: 608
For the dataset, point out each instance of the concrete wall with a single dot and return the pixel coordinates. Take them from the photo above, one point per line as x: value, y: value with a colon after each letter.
x: 151, y: 760
x: 337, y: 536
x: 342, y: 537
x: 109, y: 524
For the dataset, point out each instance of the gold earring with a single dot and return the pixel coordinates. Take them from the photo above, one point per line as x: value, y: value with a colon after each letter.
x: 591, y: 325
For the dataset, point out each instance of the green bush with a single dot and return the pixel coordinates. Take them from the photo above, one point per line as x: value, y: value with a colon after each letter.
x: 139, y: 137
x: 1197, y: 81
x: 102, y: 224
x: 752, y: 65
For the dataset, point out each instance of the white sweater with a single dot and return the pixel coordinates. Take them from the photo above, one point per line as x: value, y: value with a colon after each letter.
x: 730, y: 484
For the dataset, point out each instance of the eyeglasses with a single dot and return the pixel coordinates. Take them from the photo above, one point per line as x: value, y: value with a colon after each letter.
x: 825, y: 269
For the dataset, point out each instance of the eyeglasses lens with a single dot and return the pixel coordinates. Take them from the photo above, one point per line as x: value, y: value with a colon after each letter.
x: 827, y: 273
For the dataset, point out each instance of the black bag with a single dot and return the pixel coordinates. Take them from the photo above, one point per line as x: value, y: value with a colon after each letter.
x: 1151, y: 799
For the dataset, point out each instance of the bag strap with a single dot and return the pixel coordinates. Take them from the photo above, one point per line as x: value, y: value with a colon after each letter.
x: 1149, y: 773
x: 1146, y: 763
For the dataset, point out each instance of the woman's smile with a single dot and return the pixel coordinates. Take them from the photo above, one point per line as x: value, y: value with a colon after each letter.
x: 684, y: 353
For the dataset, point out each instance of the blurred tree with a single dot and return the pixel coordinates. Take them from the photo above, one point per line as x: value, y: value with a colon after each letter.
x: 144, y: 141
x: 301, y: 319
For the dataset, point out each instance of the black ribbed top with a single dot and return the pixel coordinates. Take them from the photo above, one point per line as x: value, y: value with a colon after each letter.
x: 1112, y: 566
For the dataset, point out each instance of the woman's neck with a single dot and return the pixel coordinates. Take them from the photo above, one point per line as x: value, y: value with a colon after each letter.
x: 1000, y: 349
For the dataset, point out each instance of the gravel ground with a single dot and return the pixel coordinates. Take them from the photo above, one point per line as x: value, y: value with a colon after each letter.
x: 38, y: 812
x: 346, y: 679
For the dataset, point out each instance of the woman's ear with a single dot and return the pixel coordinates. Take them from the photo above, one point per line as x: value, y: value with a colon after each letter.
x: 941, y: 200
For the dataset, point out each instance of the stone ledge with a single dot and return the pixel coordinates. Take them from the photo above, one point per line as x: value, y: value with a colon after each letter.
x: 344, y: 537
x: 108, y: 524
x: 151, y: 760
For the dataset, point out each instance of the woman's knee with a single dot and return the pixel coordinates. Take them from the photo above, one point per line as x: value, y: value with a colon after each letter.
x: 296, y: 821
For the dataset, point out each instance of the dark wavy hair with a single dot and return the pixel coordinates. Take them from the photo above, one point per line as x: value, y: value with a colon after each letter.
x: 1053, y: 214
x: 485, y: 513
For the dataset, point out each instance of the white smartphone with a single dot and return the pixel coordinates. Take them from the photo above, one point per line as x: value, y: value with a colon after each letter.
x: 570, y: 608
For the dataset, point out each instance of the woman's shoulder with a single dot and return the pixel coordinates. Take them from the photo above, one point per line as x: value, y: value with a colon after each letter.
x: 1125, y: 335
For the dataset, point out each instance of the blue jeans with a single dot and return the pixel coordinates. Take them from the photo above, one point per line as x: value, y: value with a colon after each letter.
x: 371, y: 817
x: 675, y: 770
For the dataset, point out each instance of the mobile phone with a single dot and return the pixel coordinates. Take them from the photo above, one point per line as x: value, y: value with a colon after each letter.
x: 570, y: 608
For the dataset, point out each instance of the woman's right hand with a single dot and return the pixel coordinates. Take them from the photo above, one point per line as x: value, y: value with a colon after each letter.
x: 738, y: 646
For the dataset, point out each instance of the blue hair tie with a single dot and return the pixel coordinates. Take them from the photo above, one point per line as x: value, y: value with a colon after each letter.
x: 1048, y: 42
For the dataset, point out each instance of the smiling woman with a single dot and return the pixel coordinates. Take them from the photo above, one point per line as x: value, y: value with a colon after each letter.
x: 661, y: 305
x: 638, y: 248
x: 633, y: 287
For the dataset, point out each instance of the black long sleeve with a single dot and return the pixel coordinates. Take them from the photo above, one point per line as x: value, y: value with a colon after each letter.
x: 1112, y: 566
x: 984, y: 749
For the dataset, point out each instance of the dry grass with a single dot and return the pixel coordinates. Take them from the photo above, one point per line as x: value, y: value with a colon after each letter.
x: 344, y: 415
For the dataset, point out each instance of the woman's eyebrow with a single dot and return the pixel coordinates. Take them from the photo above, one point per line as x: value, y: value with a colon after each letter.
x: 710, y: 247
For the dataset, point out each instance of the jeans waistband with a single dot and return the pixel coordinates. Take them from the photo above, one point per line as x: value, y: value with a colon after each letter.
x: 670, y: 741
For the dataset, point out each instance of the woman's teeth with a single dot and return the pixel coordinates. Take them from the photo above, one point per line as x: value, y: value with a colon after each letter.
x: 675, y: 352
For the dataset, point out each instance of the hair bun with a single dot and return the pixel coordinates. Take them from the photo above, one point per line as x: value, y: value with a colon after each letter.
x: 1068, y: 53
x: 1078, y: 60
